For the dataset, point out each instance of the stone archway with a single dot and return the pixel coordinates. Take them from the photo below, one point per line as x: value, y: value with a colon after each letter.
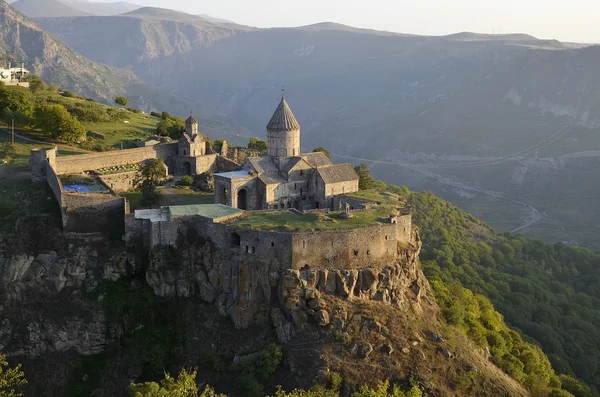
x: 242, y: 199
x: 187, y: 168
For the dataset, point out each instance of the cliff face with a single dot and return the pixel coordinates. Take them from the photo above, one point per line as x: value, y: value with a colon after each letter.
x: 135, y: 316
x: 248, y: 293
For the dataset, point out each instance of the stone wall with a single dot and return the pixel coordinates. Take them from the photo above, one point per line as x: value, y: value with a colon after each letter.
x: 188, y: 165
x: 121, y: 182
x: 93, y: 212
x: 342, y: 249
x: 94, y: 161
x: 347, y: 249
x: 57, y: 189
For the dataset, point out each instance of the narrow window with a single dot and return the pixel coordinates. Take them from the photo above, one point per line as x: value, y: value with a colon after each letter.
x: 332, y: 243
x: 386, y: 237
x: 301, y: 191
x: 247, y: 249
x: 355, y: 252
x: 295, y: 186
x: 301, y: 172
x: 368, y: 252
x: 303, y: 244
x: 272, y: 244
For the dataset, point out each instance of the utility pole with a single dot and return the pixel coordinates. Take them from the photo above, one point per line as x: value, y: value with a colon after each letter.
x: 13, y: 131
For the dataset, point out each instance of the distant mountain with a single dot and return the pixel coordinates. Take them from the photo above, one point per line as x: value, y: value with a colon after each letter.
x: 21, y: 40
x: 70, y: 8
x: 46, y: 8
x: 102, y: 9
x: 152, y: 33
x: 477, y: 111
x: 213, y: 19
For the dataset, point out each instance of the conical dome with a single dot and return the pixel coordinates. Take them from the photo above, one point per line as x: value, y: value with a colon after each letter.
x: 283, y: 119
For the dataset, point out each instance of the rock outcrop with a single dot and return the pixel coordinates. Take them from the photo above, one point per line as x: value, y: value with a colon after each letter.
x: 248, y: 292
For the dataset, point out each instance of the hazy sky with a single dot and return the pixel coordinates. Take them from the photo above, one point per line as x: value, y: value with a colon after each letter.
x: 565, y: 20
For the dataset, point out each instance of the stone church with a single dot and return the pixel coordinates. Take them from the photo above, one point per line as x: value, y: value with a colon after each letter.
x: 191, y: 158
x: 285, y: 177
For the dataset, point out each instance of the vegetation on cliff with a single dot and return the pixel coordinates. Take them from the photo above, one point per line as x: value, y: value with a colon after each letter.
x: 45, y: 113
x: 549, y: 293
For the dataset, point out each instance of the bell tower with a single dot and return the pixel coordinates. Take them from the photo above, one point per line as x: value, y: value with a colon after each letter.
x: 283, y: 132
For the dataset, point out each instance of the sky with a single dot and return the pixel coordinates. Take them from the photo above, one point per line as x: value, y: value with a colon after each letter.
x: 565, y: 20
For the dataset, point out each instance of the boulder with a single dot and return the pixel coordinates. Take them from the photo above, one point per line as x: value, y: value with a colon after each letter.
x: 366, y: 351
x: 386, y: 349
x: 322, y: 318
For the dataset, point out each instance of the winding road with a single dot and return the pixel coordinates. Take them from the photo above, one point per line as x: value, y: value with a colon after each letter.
x: 535, y: 214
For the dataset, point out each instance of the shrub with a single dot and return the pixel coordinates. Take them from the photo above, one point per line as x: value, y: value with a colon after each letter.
x: 213, y: 361
x: 68, y: 94
x: 121, y: 100
x: 134, y: 110
x: 186, y: 180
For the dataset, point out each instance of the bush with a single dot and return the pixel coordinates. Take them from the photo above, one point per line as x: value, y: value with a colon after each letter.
x: 134, y: 110
x: 68, y: 94
x: 121, y: 100
x: 213, y: 361
x: 186, y: 180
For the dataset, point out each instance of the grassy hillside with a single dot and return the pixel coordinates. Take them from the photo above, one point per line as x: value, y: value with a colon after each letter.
x: 550, y: 293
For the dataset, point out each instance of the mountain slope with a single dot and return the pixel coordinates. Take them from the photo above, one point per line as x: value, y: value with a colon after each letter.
x: 152, y: 33
x: 22, y: 40
x: 489, y: 112
x: 46, y: 8
x: 97, y: 8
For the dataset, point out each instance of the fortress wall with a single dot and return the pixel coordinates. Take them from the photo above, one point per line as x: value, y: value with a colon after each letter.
x: 94, y: 161
x: 346, y: 249
x: 404, y: 227
x: 121, y: 182
x: 225, y: 165
x: 88, y: 213
x: 57, y: 189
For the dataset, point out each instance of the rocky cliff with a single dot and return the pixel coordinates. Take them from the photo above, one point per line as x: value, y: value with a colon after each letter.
x: 132, y: 316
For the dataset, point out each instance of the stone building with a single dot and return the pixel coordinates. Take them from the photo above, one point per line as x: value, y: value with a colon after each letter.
x: 191, y: 156
x: 285, y: 177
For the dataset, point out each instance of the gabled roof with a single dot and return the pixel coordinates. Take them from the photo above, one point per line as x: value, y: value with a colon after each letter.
x: 293, y: 163
x: 316, y: 159
x: 337, y: 173
x: 283, y: 119
x: 261, y: 164
x: 272, y: 178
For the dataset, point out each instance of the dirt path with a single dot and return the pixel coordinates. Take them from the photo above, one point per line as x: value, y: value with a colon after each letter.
x: 24, y: 138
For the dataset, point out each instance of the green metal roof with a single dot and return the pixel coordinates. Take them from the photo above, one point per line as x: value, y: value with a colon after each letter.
x: 212, y: 211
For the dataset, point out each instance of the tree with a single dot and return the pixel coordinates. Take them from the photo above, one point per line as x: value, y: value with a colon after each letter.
x: 121, y: 100
x: 322, y: 149
x: 8, y: 152
x: 15, y: 104
x: 365, y: 180
x: 258, y: 145
x: 57, y: 122
x: 11, y: 379
x: 183, y: 386
x: 35, y: 83
x: 148, y: 179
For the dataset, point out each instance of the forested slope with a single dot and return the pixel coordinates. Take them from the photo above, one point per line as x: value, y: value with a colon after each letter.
x: 549, y: 292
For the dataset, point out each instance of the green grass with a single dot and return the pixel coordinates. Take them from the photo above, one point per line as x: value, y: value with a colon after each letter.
x: 289, y: 221
x: 379, y: 196
x: 141, y: 127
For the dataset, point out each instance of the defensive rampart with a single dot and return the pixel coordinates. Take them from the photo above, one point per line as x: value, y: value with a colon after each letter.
x: 94, y: 161
x: 57, y: 189
x: 341, y: 249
